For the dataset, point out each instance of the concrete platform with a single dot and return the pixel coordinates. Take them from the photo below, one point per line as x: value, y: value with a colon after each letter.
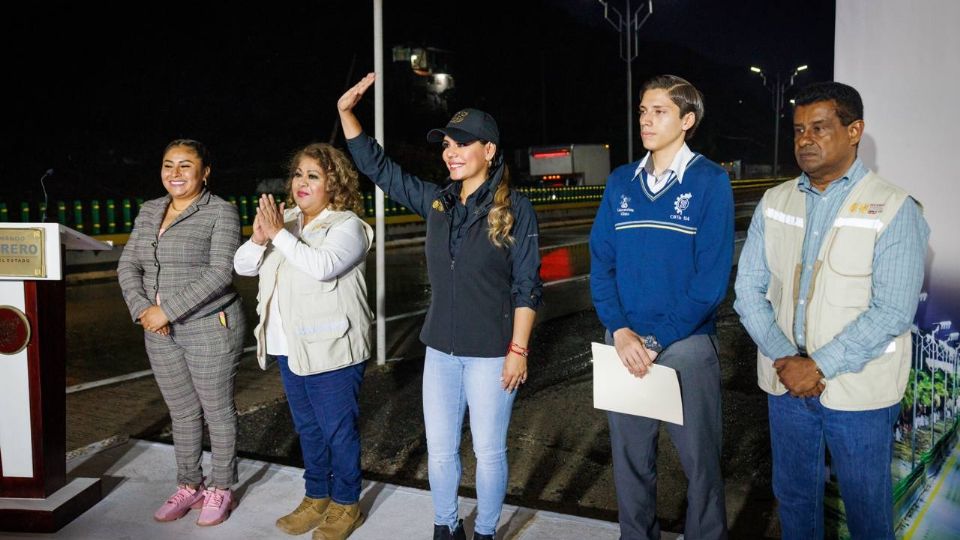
x: 137, y: 476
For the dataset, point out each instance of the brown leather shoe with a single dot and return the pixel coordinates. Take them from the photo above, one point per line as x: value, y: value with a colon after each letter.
x: 339, y: 521
x: 305, y: 518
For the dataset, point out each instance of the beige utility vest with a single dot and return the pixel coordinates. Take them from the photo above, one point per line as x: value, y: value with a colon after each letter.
x: 840, y: 289
x: 326, y: 323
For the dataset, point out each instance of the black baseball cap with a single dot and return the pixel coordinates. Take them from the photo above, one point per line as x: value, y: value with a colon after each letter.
x: 467, y: 126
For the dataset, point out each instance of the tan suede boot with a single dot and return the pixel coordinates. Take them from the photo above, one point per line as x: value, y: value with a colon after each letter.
x: 339, y: 521
x: 306, y: 517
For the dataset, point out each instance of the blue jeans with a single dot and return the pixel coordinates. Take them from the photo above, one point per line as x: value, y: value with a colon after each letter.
x: 861, y: 449
x: 450, y: 385
x: 325, y: 407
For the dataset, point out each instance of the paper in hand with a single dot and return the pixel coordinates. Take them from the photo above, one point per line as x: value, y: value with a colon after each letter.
x: 655, y: 395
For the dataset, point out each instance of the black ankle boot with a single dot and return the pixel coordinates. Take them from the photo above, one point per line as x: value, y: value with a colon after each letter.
x: 442, y: 532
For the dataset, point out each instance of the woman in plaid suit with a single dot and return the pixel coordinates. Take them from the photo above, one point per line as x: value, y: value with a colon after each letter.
x: 176, y: 277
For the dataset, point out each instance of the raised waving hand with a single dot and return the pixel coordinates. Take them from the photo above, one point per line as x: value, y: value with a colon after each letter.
x: 349, y: 100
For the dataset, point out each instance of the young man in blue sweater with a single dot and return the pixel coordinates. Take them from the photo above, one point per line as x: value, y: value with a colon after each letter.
x: 661, y: 250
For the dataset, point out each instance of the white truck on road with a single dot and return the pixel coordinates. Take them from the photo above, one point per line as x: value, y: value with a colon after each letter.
x: 570, y: 164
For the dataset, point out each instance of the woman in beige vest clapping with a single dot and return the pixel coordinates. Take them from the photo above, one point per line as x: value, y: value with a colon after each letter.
x: 315, y: 321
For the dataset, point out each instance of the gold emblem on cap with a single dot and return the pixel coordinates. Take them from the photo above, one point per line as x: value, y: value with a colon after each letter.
x: 459, y: 117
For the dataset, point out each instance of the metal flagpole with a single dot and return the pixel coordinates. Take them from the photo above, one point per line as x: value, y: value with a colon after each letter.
x: 380, y: 230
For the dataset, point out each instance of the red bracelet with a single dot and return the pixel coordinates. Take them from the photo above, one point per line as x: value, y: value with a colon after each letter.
x: 515, y: 348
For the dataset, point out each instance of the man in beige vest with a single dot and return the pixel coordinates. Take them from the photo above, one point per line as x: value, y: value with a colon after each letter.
x: 827, y: 286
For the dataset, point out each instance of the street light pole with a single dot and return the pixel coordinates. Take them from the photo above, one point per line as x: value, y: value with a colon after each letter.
x: 780, y: 85
x: 777, y: 107
x: 629, y: 29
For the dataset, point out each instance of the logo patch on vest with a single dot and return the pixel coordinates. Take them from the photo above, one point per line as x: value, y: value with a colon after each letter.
x: 875, y: 209
x: 870, y: 209
x: 681, y: 204
x: 624, y: 207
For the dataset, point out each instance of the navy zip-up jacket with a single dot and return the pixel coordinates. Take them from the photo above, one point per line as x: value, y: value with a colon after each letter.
x: 476, y: 285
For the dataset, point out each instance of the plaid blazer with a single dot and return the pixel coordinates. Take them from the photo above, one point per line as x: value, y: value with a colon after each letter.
x: 190, y: 266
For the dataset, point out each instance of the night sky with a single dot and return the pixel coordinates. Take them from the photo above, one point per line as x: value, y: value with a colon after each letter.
x: 98, y: 90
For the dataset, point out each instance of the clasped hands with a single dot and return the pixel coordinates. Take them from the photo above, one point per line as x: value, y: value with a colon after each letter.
x: 269, y: 220
x: 800, y: 375
x: 635, y: 357
x: 153, y: 319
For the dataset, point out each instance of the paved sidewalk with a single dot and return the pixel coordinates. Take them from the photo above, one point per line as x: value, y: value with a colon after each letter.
x: 137, y: 477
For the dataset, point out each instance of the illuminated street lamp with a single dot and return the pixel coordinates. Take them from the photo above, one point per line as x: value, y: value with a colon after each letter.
x: 779, y: 85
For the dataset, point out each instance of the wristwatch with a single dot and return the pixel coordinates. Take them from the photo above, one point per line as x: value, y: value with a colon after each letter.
x: 650, y: 343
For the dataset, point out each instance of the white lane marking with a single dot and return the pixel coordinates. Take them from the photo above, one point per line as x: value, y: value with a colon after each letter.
x: 128, y: 377
x: 403, y: 315
x: 111, y: 380
x: 581, y: 277
x: 567, y: 244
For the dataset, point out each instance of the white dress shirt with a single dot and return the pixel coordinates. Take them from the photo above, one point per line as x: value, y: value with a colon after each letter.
x: 678, y: 166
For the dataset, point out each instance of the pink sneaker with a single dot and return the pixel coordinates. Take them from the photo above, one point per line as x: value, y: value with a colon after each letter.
x: 217, y: 504
x: 180, y: 503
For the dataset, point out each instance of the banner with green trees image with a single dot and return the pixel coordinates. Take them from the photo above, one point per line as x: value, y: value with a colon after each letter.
x: 926, y: 429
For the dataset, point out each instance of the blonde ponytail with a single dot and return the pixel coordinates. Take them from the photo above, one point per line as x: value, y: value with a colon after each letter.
x: 500, y: 217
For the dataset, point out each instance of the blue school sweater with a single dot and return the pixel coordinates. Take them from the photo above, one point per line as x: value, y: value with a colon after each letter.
x: 660, y: 264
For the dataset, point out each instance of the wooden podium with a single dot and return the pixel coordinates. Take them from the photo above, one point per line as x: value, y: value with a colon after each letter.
x: 35, y: 495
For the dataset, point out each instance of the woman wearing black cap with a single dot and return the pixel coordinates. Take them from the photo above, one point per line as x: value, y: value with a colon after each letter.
x: 483, y: 262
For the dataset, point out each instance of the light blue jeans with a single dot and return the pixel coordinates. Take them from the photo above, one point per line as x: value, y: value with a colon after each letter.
x: 451, y: 384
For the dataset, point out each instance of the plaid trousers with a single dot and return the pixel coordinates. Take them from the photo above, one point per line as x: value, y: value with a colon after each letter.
x: 195, y: 367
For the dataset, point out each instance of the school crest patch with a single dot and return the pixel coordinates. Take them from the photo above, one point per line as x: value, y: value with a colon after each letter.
x: 682, y: 203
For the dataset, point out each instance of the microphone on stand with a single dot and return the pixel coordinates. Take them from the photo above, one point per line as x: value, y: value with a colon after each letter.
x: 46, y: 205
